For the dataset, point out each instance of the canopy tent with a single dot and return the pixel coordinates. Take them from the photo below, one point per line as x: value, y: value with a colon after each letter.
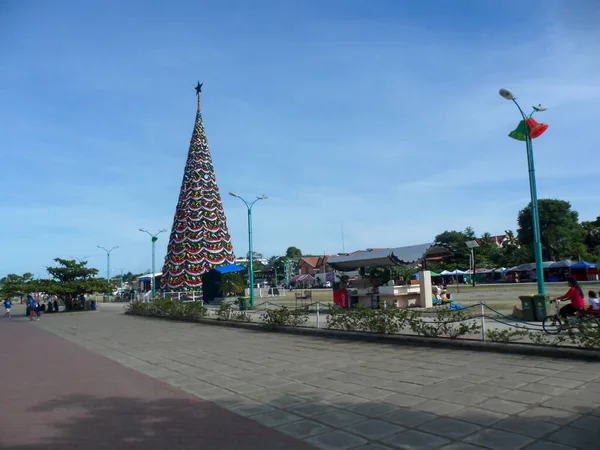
x: 564, y: 264
x: 399, y: 256
x: 584, y: 271
x: 583, y: 265
x: 230, y: 268
x: 418, y: 277
x: 531, y: 266
x: 148, y: 276
x: 447, y: 273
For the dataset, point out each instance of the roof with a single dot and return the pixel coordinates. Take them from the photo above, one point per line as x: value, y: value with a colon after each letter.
x: 398, y: 256
x: 148, y: 276
x: 230, y: 268
x: 312, y: 261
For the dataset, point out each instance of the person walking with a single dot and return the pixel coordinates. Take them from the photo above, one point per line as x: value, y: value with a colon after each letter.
x: 7, y: 308
x: 32, y: 308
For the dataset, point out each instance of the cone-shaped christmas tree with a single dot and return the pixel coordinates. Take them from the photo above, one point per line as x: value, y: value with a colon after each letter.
x: 199, y: 238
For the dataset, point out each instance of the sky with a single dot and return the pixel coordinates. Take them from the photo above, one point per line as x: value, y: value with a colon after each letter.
x: 378, y: 117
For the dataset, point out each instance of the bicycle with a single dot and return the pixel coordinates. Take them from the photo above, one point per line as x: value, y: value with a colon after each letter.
x: 556, y: 323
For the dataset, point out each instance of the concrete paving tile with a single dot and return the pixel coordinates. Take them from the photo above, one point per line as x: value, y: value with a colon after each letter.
x: 372, y: 409
x: 562, y: 382
x: 463, y: 398
x: 275, y: 418
x: 546, y: 445
x: 408, y: 417
x: 413, y: 439
x: 587, y: 423
x: 498, y: 440
x: 404, y: 400
x: 374, y: 447
x: 575, y: 437
x: 335, y: 440
x: 374, y: 429
x: 311, y: 409
x: 486, y: 389
x: 371, y: 393
x: 439, y: 407
x: 479, y: 416
x: 531, y: 398
x: 544, y: 389
x: 304, y: 428
x: 526, y: 426
x: 503, y: 406
x: 340, y: 418
x: 450, y: 428
x: 460, y: 446
x: 552, y: 415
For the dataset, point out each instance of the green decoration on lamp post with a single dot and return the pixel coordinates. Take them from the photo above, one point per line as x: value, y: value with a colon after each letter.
x: 249, y: 205
x: 108, y: 269
x: 154, y: 239
x: 527, y: 130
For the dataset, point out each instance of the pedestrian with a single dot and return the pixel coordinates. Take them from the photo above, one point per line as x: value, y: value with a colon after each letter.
x: 7, y: 307
x: 32, y: 308
x: 55, y: 305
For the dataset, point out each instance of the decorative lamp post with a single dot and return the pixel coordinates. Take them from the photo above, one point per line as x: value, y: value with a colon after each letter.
x: 527, y: 130
x: 249, y: 205
x: 108, y: 268
x: 154, y: 238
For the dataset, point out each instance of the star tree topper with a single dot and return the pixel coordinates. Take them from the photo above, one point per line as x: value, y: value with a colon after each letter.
x: 199, y: 92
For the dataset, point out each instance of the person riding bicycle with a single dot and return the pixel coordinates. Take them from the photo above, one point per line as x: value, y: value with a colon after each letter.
x: 575, y: 294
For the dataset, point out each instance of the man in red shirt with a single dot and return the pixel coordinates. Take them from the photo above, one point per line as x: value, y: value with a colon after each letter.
x: 575, y: 294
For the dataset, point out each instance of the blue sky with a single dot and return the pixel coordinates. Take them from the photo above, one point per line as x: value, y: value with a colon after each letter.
x: 382, y: 114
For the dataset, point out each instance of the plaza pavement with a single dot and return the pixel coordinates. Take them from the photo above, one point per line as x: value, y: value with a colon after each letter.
x: 332, y: 395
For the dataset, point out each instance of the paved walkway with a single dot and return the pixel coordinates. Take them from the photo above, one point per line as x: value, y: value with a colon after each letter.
x: 58, y: 396
x: 331, y: 395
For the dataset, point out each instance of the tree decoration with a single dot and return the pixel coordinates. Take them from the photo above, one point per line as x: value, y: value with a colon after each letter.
x: 199, y: 239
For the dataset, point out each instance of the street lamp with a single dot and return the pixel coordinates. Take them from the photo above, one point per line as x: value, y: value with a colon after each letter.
x: 108, y: 268
x: 527, y: 130
x: 154, y: 238
x: 249, y: 205
x: 472, y: 245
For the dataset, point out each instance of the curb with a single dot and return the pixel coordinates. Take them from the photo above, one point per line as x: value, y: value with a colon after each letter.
x: 399, y: 339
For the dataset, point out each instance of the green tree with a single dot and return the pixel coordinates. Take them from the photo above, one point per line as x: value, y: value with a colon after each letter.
x: 18, y: 285
x: 592, y: 236
x: 457, y: 241
x: 70, y: 279
x: 293, y: 252
x: 561, y: 235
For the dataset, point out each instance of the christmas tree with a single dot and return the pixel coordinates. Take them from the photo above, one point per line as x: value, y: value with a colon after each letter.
x: 199, y: 238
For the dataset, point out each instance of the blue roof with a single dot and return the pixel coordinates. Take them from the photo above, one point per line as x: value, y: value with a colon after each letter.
x: 230, y: 268
x: 583, y: 265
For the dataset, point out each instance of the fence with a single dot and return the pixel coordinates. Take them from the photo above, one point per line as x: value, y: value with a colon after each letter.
x: 487, y: 317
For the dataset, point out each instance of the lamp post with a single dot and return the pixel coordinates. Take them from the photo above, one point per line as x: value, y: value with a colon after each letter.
x: 249, y: 205
x: 528, y: 130
x: 108, y: 268
x: 154, y: 238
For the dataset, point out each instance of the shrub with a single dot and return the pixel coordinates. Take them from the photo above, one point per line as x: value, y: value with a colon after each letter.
x: 285, y: 317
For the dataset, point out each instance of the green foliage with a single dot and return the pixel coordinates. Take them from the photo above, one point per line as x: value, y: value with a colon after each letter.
x: 293, y: 252
x: 561, y: 234
x: 70, y: 279
x: 18, y: 285
x: 231, y: 284
x: 285, y: 317
x: 168, y: 308
x: 457, y: 241
x: 505, y: 336
x: 227, y: 312
x: 393, y: 320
